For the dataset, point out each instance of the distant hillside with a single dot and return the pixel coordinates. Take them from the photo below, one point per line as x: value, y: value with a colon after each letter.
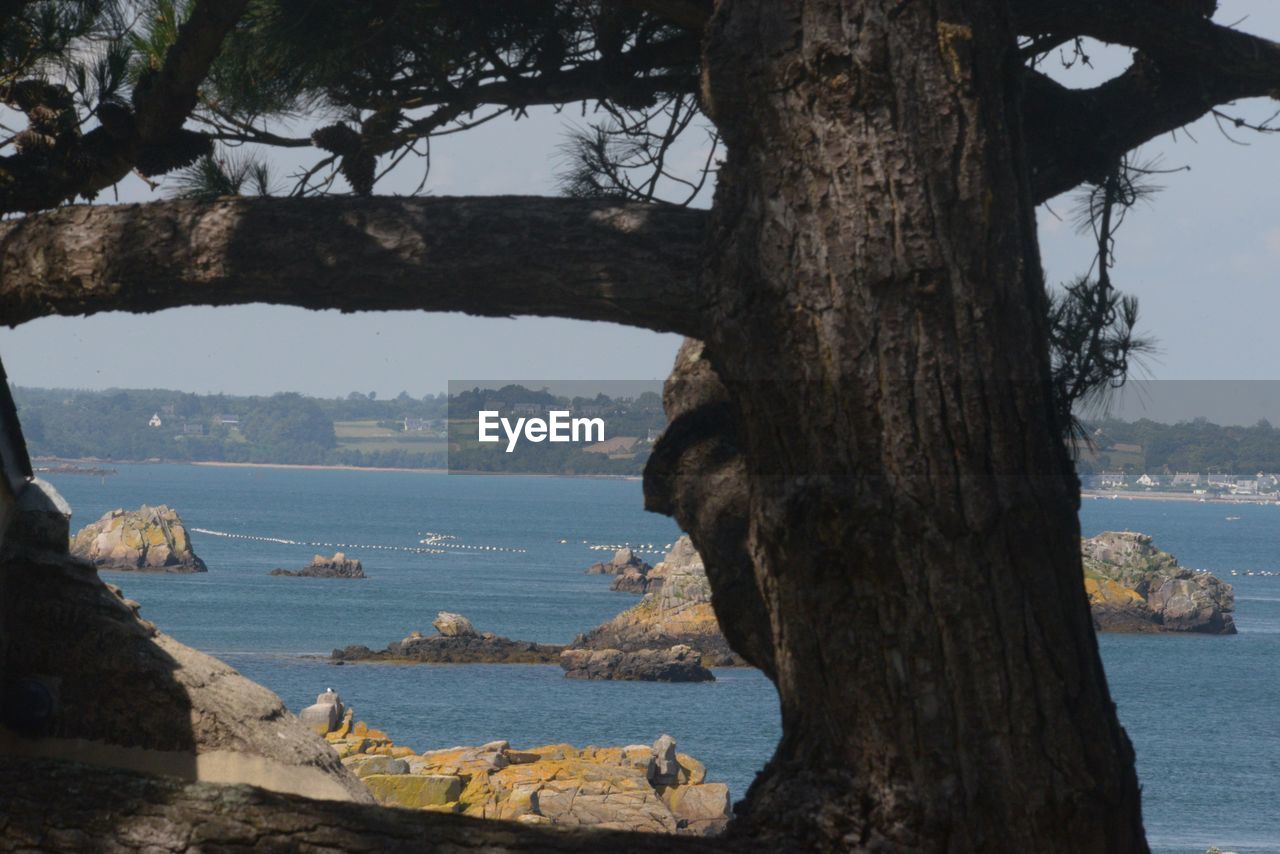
x: 1188, y: 446
x: 357, y: 430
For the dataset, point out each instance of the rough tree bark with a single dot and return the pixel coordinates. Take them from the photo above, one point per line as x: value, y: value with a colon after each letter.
x: 877, y: 318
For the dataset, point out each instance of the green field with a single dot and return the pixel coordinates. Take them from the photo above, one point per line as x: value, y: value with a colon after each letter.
x: 368, y: 436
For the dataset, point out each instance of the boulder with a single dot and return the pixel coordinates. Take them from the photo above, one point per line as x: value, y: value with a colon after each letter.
x: 150, y: 539
x: 632, y: 580
x: 1135, y: 587
x: 665, y: 770
x: 679, y: 663
x: 364, y: 765
x: 321, y: 718
x: 338, y: 566
x: 623, y: 559
x: 702, y: 810
x: 414, y: 790
x: 454, y: 626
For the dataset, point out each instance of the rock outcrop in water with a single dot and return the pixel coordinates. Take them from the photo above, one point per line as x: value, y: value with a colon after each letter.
x: 150, y: 539
x: 631, y: 573
x: 677, y: 664
x: 678, y: 612
x: 338, y: 566
x: 457, y: 642
x: 1135, y: 587
x: 639, y: 787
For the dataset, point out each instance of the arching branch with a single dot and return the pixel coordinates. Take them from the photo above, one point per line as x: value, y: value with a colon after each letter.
x: 493, y: 256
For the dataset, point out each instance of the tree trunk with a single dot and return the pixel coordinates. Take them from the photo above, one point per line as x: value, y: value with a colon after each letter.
x: 878, y: 319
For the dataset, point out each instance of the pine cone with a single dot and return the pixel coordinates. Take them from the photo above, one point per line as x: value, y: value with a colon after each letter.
x: 337, y: 139
x: 359, y: 170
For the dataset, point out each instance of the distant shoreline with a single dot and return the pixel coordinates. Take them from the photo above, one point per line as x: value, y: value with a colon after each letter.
x: 1173, y: 496
x: 309, y: 467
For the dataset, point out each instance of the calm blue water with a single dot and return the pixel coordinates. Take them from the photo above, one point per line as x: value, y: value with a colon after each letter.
x: 1203, y: 712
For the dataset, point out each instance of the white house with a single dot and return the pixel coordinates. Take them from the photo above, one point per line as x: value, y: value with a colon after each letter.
x: 155, y: 420
x: 1148, y: 480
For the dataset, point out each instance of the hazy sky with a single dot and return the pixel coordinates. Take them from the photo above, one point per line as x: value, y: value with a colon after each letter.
x: 1203, y: 259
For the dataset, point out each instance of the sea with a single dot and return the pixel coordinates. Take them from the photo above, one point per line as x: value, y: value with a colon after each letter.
x: 1203, y: 712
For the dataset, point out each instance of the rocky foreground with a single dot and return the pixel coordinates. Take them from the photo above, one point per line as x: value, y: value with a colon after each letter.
x: 338, y: 566
x: 456, y: 642
x: 149, y: 539
x: 1135, y: 587
x: 639, y: 787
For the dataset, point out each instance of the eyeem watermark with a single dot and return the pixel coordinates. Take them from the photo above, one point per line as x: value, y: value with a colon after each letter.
x: 558, y: 426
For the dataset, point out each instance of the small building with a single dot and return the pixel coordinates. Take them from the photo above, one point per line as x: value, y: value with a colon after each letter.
x: 192, y: 429
x: 1148, y: 480
x: 227, y: 419
x: 1186, y: 479
x: 416, y: 425
x: 1245, y: 487
x: 1111, y: 480
x: 155, y: 421
x: 528, y: 409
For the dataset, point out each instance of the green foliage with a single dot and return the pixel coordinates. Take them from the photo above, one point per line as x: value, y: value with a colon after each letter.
x: 295, y: 429
x: 1195, y: 446
x: 211, y: 177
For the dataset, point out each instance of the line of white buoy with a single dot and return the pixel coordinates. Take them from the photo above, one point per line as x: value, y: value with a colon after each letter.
x: 449, y: 541
x: 638, y: 548
x: 286, y: 542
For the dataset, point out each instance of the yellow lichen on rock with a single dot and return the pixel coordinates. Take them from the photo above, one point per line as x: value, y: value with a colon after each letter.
x: 414, y: 791
x: 636, y: 787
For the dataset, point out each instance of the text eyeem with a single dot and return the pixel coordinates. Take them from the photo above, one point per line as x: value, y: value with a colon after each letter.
x: 558, y: 426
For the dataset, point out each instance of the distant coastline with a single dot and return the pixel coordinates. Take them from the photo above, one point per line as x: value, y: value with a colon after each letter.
x: 1155, y: 495
x: 301, y: 466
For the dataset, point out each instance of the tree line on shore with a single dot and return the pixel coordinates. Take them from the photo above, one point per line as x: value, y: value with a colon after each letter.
x: 1198, y: 445
x: 291, y: 428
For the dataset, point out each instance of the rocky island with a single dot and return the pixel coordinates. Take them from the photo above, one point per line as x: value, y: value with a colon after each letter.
x: 456, y: 642
x: 631, y: 573
x: 338, y: 566
x: 642, y: 787
x: 1135, y: 587
x: 149, y: 539
x: 679, y: 663
x: 675, y: 612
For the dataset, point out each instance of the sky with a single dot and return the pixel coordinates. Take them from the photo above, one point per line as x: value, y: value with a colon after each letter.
x: 1203, y: 258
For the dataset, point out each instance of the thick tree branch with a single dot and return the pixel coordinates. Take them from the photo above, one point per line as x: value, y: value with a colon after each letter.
x: 1185, y: 66
x: 494, y: 256
x: 63, y: 806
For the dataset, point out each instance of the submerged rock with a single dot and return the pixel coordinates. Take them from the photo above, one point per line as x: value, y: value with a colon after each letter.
x: 1135, y: 587
x: 151, y: 539
x: 638, y: 787
x: 675, y: 610
x: 338, y: 566
x: 678, y: 664
x: 458, y: 642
